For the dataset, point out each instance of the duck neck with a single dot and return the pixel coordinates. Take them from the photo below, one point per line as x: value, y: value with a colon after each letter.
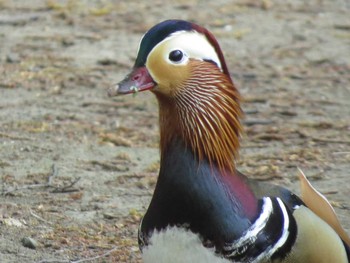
x: 205, y: 112
x: 182, y: 172
x: 175, y: 144
x: 191, y: 194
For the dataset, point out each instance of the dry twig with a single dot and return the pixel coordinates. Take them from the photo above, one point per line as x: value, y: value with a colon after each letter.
x: 53, y: 173
x: 80, y: 260
x: 56, y: 189
x: 96, y: 257
x: 14, y: 137
x: 39, y: 218
x: 67, y: 188
x: 54, y: 261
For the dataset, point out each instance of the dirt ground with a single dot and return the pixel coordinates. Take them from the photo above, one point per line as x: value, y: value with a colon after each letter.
x: 77, y: 168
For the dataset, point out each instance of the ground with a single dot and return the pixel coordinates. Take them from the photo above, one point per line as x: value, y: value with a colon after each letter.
x: 77, y: 168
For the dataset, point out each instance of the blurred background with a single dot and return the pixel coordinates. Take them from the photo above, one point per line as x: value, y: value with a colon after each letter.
x: 77, y: 169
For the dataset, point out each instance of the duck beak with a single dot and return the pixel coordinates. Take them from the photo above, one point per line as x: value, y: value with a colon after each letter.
x: 138, y: 80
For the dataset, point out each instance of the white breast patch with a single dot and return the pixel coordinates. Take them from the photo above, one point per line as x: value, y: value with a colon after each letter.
x: 178, y: 245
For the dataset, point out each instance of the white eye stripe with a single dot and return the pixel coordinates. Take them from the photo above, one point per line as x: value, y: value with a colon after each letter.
x: 193, y: 45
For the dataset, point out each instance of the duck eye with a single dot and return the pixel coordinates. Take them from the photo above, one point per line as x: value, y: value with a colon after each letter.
x: 176, y: 55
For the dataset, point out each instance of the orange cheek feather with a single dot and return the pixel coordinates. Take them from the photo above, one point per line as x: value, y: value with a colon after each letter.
x: 170, y: 78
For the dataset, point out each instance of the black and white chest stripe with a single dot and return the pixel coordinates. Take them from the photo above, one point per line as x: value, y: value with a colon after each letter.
x: 271, y: 236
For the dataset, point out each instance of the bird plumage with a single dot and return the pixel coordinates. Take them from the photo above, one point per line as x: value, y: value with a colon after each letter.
x: 206, y: 109
x: 200, y: 197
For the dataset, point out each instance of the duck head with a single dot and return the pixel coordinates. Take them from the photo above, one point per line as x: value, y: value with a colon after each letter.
x: 183, y: 65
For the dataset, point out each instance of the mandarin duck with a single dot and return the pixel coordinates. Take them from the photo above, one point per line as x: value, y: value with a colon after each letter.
x: 203, y: 209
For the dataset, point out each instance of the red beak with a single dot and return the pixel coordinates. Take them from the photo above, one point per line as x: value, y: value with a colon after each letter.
x: 138, y: 80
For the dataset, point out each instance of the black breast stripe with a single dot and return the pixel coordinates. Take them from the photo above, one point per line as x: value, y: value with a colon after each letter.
x: 271, y: 236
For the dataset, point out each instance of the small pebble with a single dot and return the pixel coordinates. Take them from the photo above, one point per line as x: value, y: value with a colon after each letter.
x: 109, y: 215
x: 12, y: 58
x: 29, y: 242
